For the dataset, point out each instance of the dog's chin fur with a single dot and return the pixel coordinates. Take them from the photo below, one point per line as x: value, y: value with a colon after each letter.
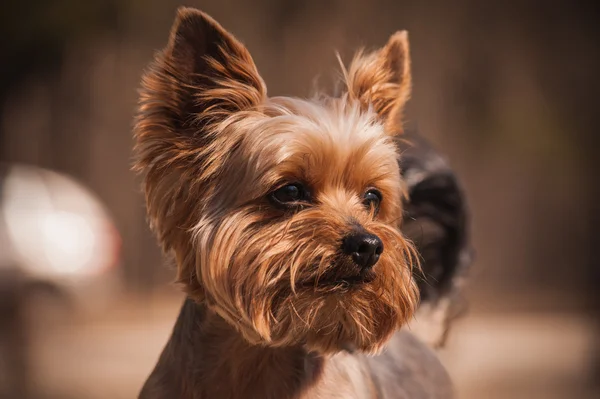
x: 323, y: 316
x: 212, y: 147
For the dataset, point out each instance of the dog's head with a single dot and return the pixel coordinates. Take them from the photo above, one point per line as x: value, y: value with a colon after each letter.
x: 282, y: 213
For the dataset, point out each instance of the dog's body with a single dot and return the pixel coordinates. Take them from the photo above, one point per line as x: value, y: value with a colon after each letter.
x: 436, y: 221
x: 284, y: 218
x: 205, y: 358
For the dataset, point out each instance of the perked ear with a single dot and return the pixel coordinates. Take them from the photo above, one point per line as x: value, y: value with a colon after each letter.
x: 207, y: 56
x: 382, y: 80
x: 203, y: 75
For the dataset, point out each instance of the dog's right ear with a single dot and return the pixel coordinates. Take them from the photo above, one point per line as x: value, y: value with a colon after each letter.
x: 202, y: 77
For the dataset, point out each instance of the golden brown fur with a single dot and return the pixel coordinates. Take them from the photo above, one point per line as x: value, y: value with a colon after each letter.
x: 213, y: 147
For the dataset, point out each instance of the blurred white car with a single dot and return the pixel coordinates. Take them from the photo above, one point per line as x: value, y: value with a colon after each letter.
x: 57, y: 234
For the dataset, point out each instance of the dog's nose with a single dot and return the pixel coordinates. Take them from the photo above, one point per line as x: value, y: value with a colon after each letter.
x: 364, y: 249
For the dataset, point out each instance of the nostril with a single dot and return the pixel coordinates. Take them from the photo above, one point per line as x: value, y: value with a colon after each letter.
x: 372, y: 245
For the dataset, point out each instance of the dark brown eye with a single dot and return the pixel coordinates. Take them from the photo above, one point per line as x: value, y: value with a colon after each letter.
x: 372, y: 199
x: 289, y: 195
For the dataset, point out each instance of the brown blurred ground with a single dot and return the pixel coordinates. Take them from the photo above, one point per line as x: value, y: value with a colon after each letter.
x: 493, y: 356
x: 508, y: 90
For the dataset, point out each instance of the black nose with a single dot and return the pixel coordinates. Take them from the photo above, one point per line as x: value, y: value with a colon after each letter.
x: 364, y: 249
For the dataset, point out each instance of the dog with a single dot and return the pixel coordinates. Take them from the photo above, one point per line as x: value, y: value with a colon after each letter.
x: 437, y: 222
x: 283, y: 217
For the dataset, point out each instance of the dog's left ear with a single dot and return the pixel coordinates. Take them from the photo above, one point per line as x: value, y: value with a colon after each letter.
x: 382, y: 80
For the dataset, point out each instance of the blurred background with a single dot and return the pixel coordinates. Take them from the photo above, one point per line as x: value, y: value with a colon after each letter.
x: 508, y: 91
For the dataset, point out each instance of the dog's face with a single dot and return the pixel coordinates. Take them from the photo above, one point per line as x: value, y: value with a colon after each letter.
x: 282, y: 213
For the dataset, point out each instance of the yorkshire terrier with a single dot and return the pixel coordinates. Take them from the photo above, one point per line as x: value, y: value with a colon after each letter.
x: 283, y: 216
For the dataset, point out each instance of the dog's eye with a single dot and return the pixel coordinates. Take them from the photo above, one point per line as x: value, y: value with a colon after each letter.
x: 372, y: 199
x: 289, y: 194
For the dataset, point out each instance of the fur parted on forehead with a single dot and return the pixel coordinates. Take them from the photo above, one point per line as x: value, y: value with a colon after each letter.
x: 322, y: 142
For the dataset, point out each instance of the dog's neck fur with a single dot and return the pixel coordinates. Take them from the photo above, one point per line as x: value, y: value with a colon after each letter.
x: 207, y: 358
